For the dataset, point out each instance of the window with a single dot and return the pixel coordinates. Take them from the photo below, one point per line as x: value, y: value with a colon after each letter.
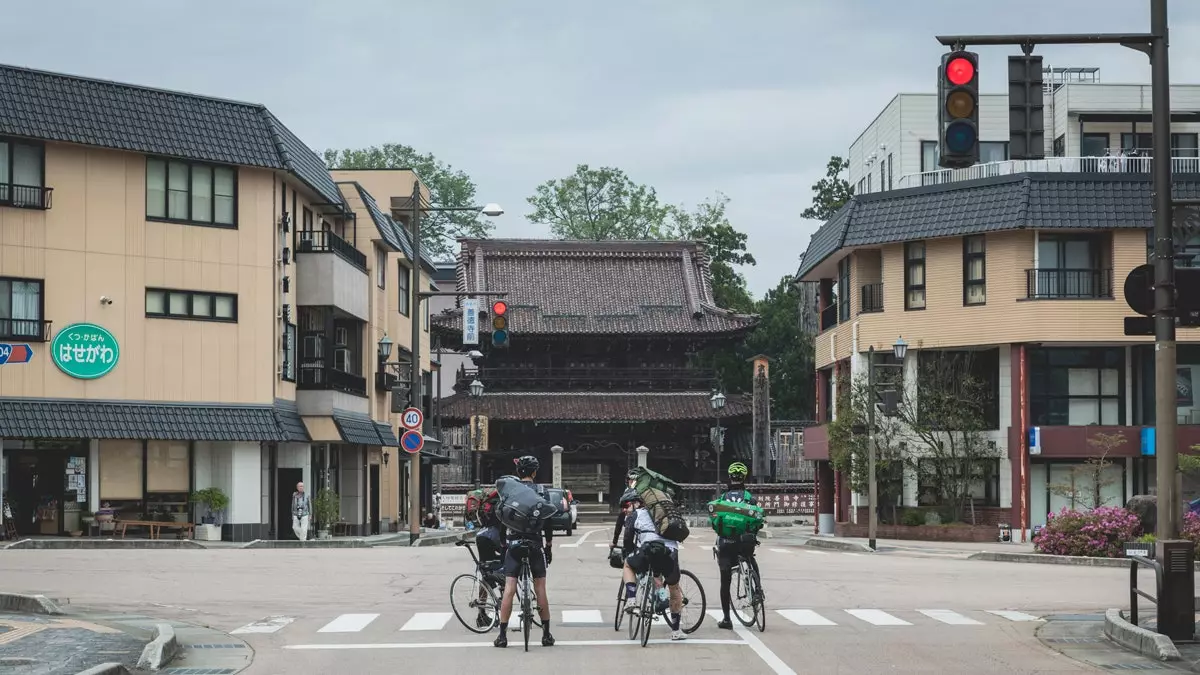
x: 21, y: 306
x: 890, y: 164
x: 1075, y: 386
x: 993, y: 151
x: 883, y: 174
x: 973, y: 375
x: 402, y: 290
x: 289, y: 352
x: 974, y: 268
x: 844, y: 289
x: 22, y: 174
x: 1142, y: 144
x: 1069, y: 266
x: 426, y: 324
x: 1189, y: 255
x: 929, y: 156
x: 198, y: 305
x: 381, y: 267
x: 1093, y: 145
x: 914, y: 275
x: 983, y: 489
x: 191, y: 192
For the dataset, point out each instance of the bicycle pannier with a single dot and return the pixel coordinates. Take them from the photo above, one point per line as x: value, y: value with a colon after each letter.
x: 668, y: 519
x: 522, y: 507
x: 731, y: 519
x: 647, y: 479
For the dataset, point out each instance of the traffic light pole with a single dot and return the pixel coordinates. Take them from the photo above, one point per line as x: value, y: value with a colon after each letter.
x: 1175, y: 605
x: 415, y: 380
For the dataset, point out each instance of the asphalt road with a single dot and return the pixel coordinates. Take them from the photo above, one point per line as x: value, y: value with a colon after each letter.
x: 386, y: 610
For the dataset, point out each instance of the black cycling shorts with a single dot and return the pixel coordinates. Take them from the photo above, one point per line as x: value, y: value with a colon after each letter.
x: 537, y: 559
x: 661, y: 559
x: 490, y: 544
x: 728, y: 552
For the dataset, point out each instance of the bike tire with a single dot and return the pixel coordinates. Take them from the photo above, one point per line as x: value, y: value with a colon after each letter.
x: 648, y: 613
x: 635, y: 618
x: 688, y: 600
x: 620, y: 615
x: 526, y: 611
x: 742, y: 591
x: 760, y: 601
x: 468, y: 618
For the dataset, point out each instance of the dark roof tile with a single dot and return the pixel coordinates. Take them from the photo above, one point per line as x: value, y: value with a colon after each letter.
x: 356, y: 428
x: 59, y: 418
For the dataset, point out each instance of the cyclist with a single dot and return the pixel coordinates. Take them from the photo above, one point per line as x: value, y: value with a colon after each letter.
x: 644, y: 547
x: 539, y: 560
x: 492, y: 548
x: 628, y: 499
x: 728, y: 550
x: 630, y: 481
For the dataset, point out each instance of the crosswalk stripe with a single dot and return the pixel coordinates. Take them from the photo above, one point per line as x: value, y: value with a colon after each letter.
x: 348, y: 623
x: 600, y: 545
x: 804, y: 617
x: 270, y: 624
x: 427, y: 621
x: 582, y: 616
x: 877, y: 617
x: 947, y: 616
x: 816, y: 552
x: 779, y: 550
x: 1012, y: 616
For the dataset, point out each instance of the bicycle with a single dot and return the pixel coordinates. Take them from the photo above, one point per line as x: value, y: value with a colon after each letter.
x: 525, y: 593
x: 647, y: 605
x: 485, y: 584
x: 749, y: 600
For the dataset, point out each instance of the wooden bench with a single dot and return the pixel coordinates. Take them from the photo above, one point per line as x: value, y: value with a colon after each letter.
x: 186, y: 530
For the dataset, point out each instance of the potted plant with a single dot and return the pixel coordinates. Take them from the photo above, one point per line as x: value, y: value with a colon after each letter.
x: 214, y: 501
x: 327, y: 508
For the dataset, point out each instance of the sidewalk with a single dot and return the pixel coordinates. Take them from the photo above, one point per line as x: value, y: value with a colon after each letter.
x: 427, y: 538
x: 962, y: 549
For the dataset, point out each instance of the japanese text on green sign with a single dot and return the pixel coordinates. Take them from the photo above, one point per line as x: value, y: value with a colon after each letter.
x: 85, y: 351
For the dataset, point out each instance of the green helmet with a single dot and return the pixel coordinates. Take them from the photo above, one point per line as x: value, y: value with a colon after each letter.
x: 738, y: 470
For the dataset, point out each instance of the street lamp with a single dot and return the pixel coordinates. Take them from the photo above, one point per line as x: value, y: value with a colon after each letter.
x: 899, y: 350
x: 491, y: 210
x: 476, y: 389
x: 718, y: 404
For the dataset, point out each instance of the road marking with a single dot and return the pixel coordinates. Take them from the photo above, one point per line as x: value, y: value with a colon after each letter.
x: 582, y: 616
x: 557, y: 643
x: 427, y: 621
x: 348, y: 623
x: 582, y: 538
x: 877, y: 617
x: 816, y: 552
x: 947, y: 616
x: 804, y: 617
x: 600, y: 545
x: 270, y: 624
x: 1012, y: 616
x: 773, y: 662
x: 779, y: 550
x: 856, y: 555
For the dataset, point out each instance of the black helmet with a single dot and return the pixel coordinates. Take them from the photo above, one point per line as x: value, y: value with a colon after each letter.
x: 527, y: 466
x: 630, y: 495
x: 633, y: 474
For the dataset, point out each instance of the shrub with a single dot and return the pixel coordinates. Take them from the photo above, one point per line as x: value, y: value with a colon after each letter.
x: 1191, y: 529
x: 1099, y: 533
x: 913, y: 517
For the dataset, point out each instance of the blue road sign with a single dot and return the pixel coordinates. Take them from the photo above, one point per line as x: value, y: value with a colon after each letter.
x: 10, y: 353
x: 412, y: 441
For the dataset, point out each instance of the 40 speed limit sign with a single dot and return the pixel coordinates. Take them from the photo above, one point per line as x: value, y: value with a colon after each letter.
x: 412, y: 418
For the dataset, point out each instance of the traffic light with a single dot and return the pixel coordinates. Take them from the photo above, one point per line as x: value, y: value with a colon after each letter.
x: 1026, y: 122
x: 958, y: 110
x: 500, y: 324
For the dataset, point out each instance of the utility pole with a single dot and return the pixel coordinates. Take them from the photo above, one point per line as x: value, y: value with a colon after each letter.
x: 873, y: 485
x: 414, y: 389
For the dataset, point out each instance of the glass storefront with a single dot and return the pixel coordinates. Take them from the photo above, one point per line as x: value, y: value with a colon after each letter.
x: 45, y: 485
x: 146, y: 480
x: 1077, y: 386
x: 1187, y: 373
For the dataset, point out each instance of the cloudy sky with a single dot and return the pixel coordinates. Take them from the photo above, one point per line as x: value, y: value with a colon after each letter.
x: 690, y: 96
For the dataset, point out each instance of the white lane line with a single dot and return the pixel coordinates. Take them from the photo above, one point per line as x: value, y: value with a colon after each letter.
x: 427, y: 621
x: 773, y: 662
x: 348, y: 623
x: 267, y: 625
x: 1011, y: 615
x: 952, y: 618
x: 856, y: 555
x: 582, y: 616
x: 779, y: 550
x: 600, y: 545
x: 488, y: 645
x: 816, y: 552
x: 877, y: 617
x: 804, y: 617
x: 582, y: 538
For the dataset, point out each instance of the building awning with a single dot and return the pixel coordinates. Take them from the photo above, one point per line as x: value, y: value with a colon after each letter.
x: 386, y: 435
x: 44, y: 418
x: 591, y: 406
x: 356, y: 428
x: 288, y: 418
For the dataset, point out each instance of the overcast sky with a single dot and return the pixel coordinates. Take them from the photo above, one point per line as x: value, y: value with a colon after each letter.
x: 691, y: 96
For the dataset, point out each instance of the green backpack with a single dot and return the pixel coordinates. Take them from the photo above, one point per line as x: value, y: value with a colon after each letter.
x: 651, y: 480
x: 731, y: 519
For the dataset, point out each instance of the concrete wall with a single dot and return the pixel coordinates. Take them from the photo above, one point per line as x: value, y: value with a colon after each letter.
x: 325, y: 279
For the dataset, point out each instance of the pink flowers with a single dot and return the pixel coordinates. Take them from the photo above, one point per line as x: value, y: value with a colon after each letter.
x: 1099, y: 533
x: 1191, y: 529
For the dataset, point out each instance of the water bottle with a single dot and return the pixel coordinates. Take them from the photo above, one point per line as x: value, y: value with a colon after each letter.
x: 663, y: 598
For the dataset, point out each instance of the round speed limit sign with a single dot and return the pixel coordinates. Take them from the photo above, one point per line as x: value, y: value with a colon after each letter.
x: 413, y: 418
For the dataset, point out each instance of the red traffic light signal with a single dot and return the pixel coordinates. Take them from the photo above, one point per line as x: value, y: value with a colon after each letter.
x: 960, y: 71
x: 499, y: 307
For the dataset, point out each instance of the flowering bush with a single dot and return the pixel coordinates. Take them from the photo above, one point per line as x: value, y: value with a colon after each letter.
x: 1099, y: 533
x: 1191, y: 529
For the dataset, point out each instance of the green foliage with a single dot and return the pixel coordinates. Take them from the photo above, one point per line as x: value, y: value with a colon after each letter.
x: 831, y: 192
x: 913, y: 517
x: 849, y: 446
x: 1190, y: 464
x: 601, y: 204
x: 213, y: 499
x: 726, y: 248
x: 447, y: 187
x: 778, y: 336
x: 1147, y: 539
x: 327, y: 508
x: 1084, y: 484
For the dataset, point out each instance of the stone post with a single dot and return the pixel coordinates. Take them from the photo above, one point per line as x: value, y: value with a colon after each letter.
x: 642, y: 452
x: 556, y: 465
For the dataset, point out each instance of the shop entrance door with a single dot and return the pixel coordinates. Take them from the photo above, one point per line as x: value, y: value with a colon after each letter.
x: 285, y: 486
x: 36, y: 484
x: 373, y: 501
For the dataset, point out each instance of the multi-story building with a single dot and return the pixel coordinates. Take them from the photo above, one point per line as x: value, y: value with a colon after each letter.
x: 188, y: 300
x: 1022, y: 264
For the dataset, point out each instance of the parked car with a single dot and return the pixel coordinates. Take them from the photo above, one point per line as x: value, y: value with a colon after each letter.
x: 566, y: 517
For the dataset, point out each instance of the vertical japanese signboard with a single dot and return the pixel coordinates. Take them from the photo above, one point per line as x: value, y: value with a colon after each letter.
x: 470, y: 309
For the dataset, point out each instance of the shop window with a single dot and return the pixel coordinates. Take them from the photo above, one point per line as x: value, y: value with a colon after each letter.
x: 946, y: 368
x: 1069, y: 386
x: 984, y: 488
x: 120, y: 471
x: 1187, y: 375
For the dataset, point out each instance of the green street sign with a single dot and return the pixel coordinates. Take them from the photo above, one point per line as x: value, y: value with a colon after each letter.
x: 85, y: 351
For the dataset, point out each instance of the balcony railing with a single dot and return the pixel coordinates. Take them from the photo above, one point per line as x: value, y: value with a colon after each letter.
x: 25, y: 330
x: 829, y: 317
x: 872, y: 298
x: 314, y: 374
x: 1068, y: 284
x: 1048, y: 165
x: 26, y: 196
x: 325, y: 241
x: 507, y: 378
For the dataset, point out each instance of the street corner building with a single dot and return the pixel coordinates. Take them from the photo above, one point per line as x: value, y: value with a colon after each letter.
x: 1017, y: 268
x: 190, y: 300
x: 604, y: 356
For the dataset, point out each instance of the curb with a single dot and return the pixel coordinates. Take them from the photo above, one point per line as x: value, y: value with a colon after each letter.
x: 313, y: 543
x: 79, y: 544
x: 442, y: 540
x: 28, y: 604
x: 1138, y: 639
x: 161, y: 650
x: 105, y: 669
x: 838, y: 545
x: 1044, y: 559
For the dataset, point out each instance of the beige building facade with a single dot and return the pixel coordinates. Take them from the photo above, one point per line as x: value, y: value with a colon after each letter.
x: 189, y: 300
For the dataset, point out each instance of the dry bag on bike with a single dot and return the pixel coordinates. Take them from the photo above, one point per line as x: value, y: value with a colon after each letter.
x: 522, y: 508
x: 731, y: 519
x: 479, y: 502
x: 647, y: 479
x: 668, y: 518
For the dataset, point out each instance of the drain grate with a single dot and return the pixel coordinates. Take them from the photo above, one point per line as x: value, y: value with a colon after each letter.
x: 1074, y: 641
x: 223, y: 646
x: 199, y: 671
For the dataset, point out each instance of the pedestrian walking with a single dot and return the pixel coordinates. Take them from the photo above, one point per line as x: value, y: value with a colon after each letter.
x: 301, y: 510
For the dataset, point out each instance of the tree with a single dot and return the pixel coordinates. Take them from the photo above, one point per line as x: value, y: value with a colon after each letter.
x: 831, y: 192
x: 601, y: 204
x: 726, y: 248
x: 447, y: 187
x: 1085, y: 483
x: 849, y: 448
x: 777, y: 335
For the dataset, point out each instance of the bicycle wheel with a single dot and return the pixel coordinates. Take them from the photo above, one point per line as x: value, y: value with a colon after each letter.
x: 472, y: 611
x: 648, y: 613
x: 742, y: 595
x: 635, y: 616
x: 760, y: 602
x: 695, y: 604
x: 526, y: 607
x: 620, y: 614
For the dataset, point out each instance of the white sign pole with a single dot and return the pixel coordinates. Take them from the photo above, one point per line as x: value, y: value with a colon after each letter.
x: 470, y: 308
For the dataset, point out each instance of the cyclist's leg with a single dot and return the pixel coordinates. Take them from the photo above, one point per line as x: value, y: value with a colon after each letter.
x: 537, y: 570
x: 512, y: 568
x: 634, y: 565
x: 726, y: 561
x: 671, y: 578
